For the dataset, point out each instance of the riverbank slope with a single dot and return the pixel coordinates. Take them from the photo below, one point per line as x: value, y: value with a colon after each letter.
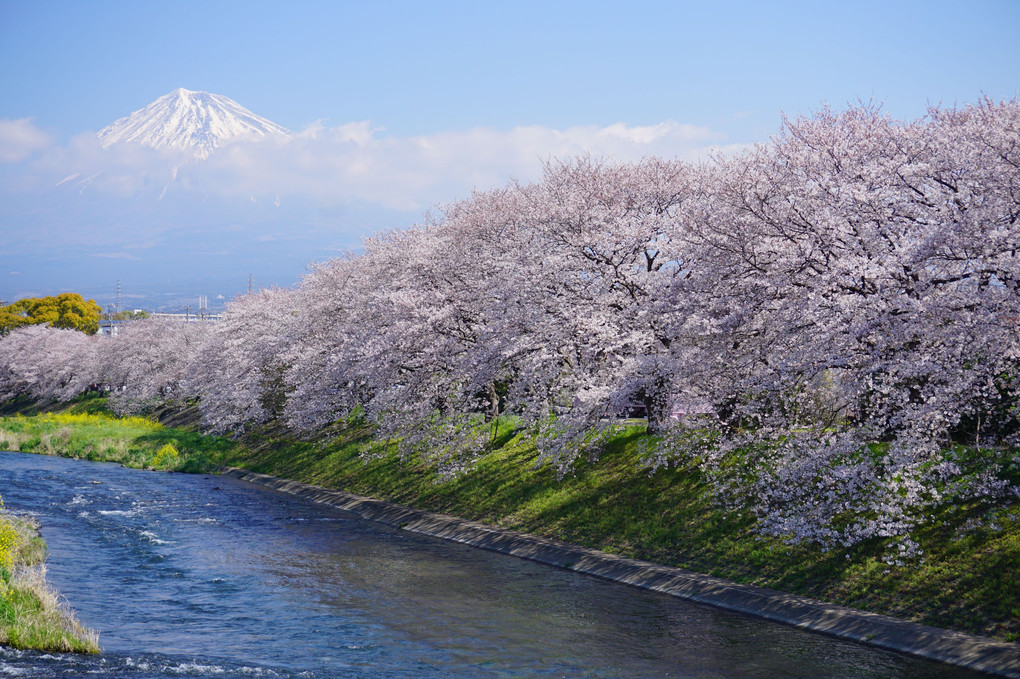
x: 31, y: 614
x: 962, y: 578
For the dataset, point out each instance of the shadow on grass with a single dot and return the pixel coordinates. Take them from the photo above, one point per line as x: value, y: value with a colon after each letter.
x: 91, y: 403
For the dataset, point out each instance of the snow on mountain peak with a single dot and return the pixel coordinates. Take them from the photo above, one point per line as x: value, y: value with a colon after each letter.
x: 197, y: 122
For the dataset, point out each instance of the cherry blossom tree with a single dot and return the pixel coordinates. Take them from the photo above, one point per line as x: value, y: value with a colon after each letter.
x: 239, y: 373
x: 151, y: 360
x: 879, y: 256
x: 47, y: 363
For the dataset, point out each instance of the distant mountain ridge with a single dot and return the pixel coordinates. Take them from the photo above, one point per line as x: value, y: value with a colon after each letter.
x: 196, y: 122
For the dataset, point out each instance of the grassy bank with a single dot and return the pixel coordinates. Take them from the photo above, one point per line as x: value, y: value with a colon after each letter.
x: 85, y: 429
x: 963, y: 578
x: 31, y: 615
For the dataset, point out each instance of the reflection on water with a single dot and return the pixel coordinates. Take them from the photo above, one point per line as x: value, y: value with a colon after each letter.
x: 200, y: 575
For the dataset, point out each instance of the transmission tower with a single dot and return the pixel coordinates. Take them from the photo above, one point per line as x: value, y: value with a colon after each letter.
x: 251, y: 284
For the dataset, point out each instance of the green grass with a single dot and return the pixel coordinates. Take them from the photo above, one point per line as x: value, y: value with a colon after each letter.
x: 965, y: 578
x: 85, y: 429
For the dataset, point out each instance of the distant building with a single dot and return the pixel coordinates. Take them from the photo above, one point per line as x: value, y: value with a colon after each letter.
x: 109, y: 327
x: 189, y: 317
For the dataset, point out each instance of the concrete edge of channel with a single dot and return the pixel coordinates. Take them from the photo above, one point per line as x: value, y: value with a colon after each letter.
x: 956, y: 648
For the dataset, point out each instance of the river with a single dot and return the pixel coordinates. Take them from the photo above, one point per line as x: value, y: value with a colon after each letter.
x: 201, y: 575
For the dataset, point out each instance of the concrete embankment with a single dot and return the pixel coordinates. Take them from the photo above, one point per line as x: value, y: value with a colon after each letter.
x: 979, y: 653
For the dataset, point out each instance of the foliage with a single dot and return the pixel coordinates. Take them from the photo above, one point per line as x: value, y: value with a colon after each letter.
x: 166, y: 456
x: 136, y: 315
x: 67, y: 310
x: 8, y: 538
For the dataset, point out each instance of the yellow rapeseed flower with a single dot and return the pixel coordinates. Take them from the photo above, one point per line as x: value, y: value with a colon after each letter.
x: 8, y: 540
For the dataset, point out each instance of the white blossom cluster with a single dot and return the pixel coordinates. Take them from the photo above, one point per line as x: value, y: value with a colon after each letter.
x: 815, y: 323
x: 148, y: 363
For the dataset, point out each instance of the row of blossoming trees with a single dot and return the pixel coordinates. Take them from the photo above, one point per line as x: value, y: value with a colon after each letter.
x: 840, y: 305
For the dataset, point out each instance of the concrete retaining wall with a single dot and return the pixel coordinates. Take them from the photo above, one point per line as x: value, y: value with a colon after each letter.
x: 987, y: 655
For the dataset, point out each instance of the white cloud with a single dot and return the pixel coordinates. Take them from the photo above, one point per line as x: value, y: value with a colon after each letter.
x: 19, y: 139
x: 303, y: 198
x: 359, y: 162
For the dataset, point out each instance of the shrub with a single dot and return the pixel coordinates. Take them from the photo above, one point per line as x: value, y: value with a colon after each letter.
x: 166, y: 457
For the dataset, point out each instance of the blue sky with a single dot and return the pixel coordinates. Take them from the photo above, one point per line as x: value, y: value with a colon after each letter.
x: 420, y: 67
x: 472, y: 83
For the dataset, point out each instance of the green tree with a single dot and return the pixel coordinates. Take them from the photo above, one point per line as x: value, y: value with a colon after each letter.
x: 66, y: 310
x: 126, y: 315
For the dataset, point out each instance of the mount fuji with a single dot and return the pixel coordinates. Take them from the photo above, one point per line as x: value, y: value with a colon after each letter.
x: 194, y: 122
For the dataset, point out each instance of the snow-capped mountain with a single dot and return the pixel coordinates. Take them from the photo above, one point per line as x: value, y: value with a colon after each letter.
x: 191, y: 121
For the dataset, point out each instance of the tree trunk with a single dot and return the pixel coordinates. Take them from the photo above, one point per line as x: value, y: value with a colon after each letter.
x: 657, y: 406
x: 493, y: 411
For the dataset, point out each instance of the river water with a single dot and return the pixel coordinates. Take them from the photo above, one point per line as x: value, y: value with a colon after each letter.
x: 194, y: 575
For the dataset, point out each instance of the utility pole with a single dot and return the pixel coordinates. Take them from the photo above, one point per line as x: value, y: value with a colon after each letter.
x: 187, y: 314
